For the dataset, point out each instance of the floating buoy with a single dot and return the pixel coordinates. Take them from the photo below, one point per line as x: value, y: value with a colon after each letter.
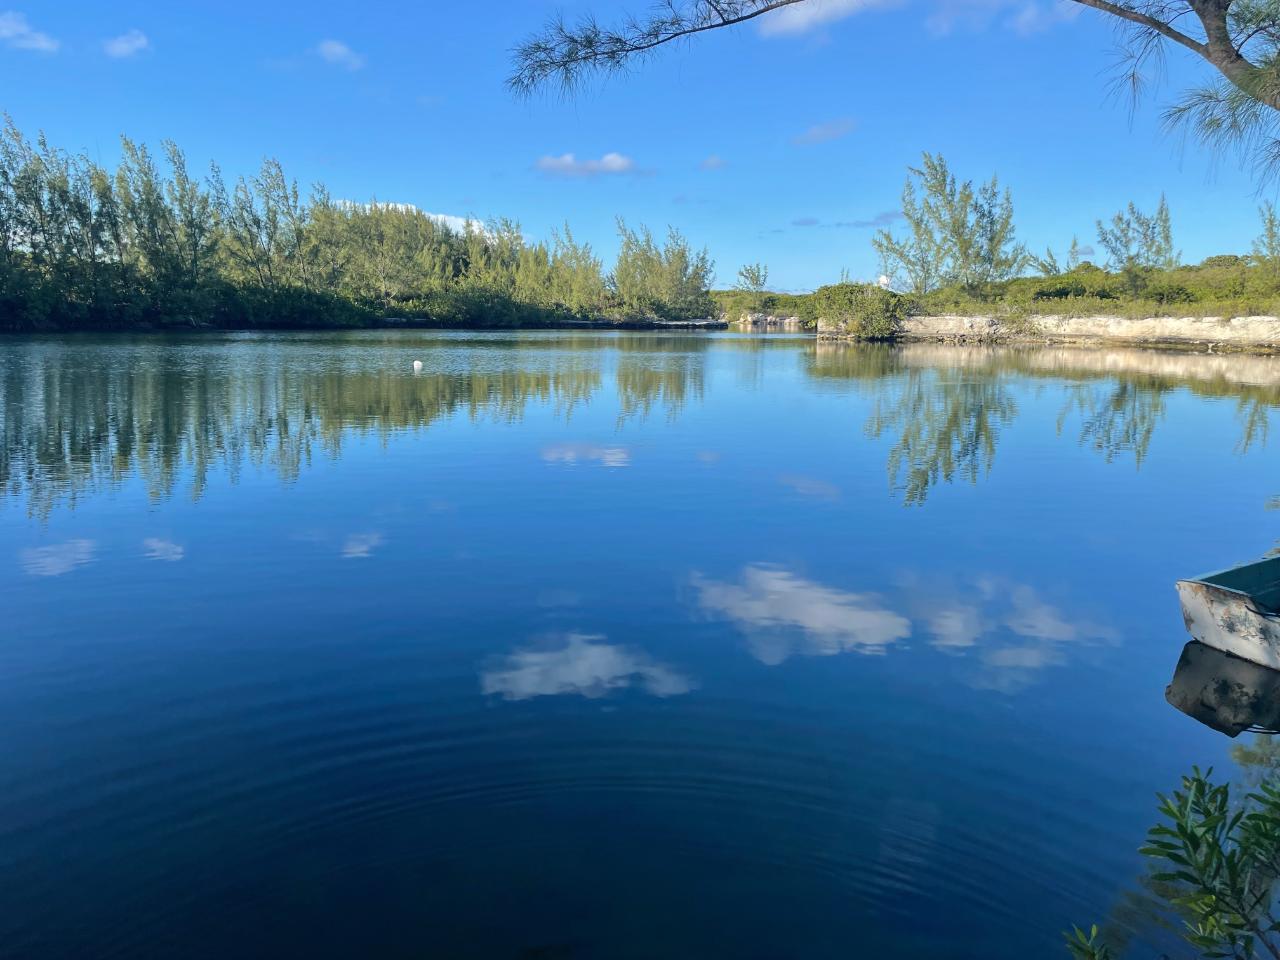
x: 417, y: 366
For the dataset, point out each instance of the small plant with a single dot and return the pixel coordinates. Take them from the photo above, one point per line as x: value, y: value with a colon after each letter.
x: 1220, y: 861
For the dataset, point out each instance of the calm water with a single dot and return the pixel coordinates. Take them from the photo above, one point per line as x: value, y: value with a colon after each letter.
x: 576, y: 646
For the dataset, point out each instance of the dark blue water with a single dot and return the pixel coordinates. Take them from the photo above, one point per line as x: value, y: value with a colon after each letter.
x: 599, y: 645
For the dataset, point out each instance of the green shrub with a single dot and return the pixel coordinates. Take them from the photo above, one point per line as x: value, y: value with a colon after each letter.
x: 860, y: 310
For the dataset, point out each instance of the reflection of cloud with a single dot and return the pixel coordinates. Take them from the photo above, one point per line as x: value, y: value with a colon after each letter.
x: 771, y: 602
x: 559, y: 598
x: 1009, y: 628
x: 810, y: 486
x: 1032, y: 617
x: 956, y: 627
x: 360, y: 545
x: 572, y: 453
x: 167, y: 550
x: 58, y: 558
x: 583, y: 666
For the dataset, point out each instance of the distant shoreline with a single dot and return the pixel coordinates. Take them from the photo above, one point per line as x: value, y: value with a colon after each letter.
x: 393, y: 323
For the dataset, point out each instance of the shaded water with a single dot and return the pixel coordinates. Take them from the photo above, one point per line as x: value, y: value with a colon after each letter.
x: 599, y: 645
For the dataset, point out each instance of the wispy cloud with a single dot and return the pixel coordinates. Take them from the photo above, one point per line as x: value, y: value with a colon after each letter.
x: 805, y: 222
x: 339, y: 54
x: 805, y: 17
x: 358, y: 546
x: 714, y: 162
x: 166, y: 550
x: 1024, y: 17
x: 574, y: 453
x: 128, y: 44
x: 581, y: 665
x: 825, y: 132
x: 784, y: 614
x: 17, y: 32
x: 1038, y: 17
x: 884, y: 218
x: 57, y: 558
x: 568, y: 165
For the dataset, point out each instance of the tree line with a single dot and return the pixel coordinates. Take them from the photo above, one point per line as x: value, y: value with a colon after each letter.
x: 152, y: 244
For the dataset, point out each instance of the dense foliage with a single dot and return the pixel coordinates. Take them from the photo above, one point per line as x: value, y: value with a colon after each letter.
x: 149, y: 244
x: 857, y: 310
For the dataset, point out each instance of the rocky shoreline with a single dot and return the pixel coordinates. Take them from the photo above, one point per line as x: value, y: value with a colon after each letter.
x: 1248, y: 334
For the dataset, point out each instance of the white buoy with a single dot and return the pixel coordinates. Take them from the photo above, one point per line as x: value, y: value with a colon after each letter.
x: 417, y: 366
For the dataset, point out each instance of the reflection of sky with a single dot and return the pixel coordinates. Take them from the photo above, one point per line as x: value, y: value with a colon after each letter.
x: 784, y: 614
x: 1023, y: 576
x: 582, y: 665
x: 810, y: 486
x: 1009, y: 626
x: 157, y: 548
x: 357, y: 546
x: 57, y: 558
x: 574, y: 453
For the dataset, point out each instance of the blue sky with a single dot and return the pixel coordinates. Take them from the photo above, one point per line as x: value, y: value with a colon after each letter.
x: 779, y: 141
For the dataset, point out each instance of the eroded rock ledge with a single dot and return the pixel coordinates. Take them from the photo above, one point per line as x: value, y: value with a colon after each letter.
x: 1225, y: 333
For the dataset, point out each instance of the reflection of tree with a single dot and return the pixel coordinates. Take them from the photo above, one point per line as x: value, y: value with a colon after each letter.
x: 76, y: 419
x: 947, y: 405
x: 669, y: 380
x: 946, y: 425
x: 1122, y: 419
x: 1255, y: 422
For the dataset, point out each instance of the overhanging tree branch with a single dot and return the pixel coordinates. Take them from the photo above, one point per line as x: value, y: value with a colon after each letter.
x: 563, y: 54
x: 1161, y: 27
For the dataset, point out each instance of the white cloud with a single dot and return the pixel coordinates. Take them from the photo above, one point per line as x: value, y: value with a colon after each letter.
x: 361, y: 545
x: 455, y: 223
x: 126, y: 45
x: 1037, y: 17
x: 771, y: 603
x: 714, y: 162
x: 58, y: 558
x: 1022, y: 16
x: 568, y: 165
x: 584, y: 666
x: 803, y: 17
x: 573, y: 453
x: 825, y: 132
x: 167, y: 550
x: 339, y: 54
x: 17, y: 33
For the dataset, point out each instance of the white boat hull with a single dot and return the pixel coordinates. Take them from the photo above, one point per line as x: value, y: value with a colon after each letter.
x: 1230, y: 621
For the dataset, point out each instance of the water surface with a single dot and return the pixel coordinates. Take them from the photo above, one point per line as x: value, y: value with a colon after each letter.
x: 599, y: 645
